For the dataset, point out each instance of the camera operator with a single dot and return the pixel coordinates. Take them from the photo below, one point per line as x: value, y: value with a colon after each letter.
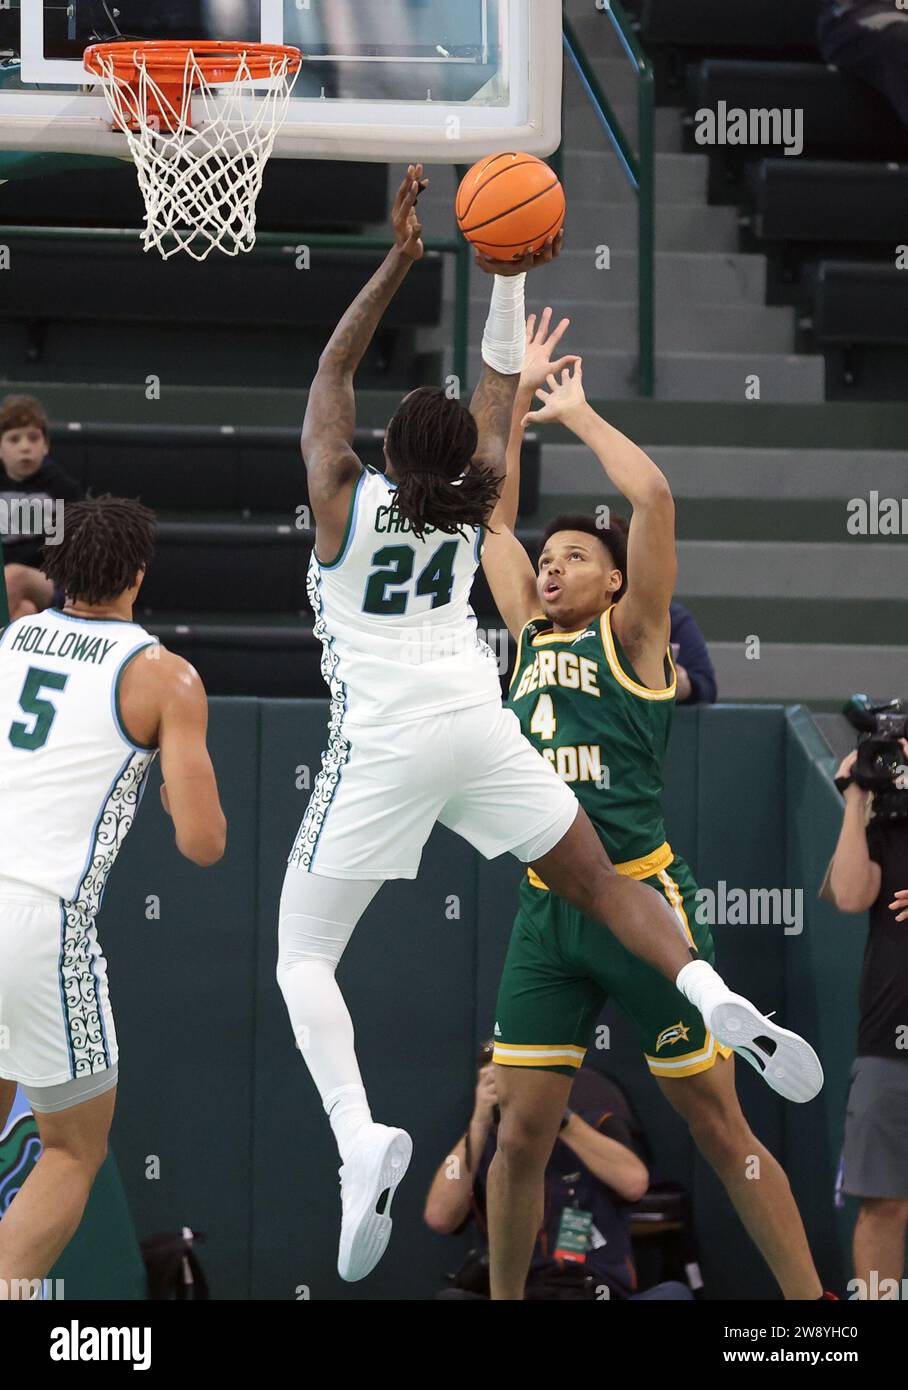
x: 869, y: 871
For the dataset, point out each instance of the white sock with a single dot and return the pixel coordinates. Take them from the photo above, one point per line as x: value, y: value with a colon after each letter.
x: 699, y: 983
x: 317, y: 918
x: 348, y: 1110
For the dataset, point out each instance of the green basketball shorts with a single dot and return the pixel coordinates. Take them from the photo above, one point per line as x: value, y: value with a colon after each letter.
x: 561, y: 967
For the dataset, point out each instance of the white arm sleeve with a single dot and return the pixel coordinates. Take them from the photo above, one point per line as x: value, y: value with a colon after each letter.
x: 504, y: 340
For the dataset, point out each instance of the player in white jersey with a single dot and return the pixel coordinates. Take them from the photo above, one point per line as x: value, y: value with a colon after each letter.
x: 417, y: 733
x: 87, y: 700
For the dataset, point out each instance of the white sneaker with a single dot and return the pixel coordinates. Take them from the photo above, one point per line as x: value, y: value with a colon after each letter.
x: 786, y: 1062
x: 369, y: 1177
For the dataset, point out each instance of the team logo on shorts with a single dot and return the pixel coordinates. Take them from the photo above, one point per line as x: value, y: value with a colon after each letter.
x: 679, y: 1032
x: 19, y: 1150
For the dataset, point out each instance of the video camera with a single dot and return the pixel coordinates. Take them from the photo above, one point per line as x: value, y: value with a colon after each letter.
x: 881, y: 766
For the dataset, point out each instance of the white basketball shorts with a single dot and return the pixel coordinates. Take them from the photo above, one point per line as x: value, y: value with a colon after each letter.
x: 382, y: 788
x: 56, y: 1025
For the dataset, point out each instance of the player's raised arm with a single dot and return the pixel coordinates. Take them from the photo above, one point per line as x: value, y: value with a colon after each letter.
x: 507, y: 565
x: 652, y: 565
x: 328, y: 428
x: 503, y: 347
x: 537, y: 366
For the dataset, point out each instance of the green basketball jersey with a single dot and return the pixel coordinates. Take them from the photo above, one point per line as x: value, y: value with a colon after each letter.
x: 583, y: 707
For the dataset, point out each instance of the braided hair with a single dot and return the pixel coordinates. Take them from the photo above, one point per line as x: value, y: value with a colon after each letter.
x: 431, y: 442
x: 106, y: 542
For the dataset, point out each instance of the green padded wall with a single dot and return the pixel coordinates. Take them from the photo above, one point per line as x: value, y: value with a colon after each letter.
x: 103, y: 1260
x: 409, y: 980
x: 183, y: 993
x: 211, y: 1082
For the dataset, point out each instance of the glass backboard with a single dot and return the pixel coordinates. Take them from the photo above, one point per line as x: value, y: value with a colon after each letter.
x: 440, y: 80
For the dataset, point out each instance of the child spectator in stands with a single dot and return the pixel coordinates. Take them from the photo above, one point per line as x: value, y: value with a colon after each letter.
x: 868, y: 872
x: 28, y: 480
x: 869, y: 38
x: 696, y: 674
x: 593, y: 1178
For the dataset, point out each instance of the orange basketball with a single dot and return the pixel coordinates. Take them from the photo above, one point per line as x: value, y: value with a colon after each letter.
x: 509, y: 204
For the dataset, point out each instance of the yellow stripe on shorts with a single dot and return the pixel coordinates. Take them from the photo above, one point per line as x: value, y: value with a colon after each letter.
x: 538, y: 1055
x: 691, y: 1062
x: 676, y: 901
x: 644, y: 867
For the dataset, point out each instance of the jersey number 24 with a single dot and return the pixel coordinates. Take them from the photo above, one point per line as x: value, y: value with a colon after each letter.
x: 387, y: 589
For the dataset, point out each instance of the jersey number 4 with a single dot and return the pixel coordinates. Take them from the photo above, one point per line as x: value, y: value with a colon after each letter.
x: 20, y: 735
x: 387, y: 590
x: 544, y: 722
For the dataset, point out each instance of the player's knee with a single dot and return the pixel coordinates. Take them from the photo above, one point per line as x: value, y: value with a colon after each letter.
x: 286, y: 964
x: 720, y: 1133
x: 523, y: 1137
x: 591, y: 891
x: 84, y: 1152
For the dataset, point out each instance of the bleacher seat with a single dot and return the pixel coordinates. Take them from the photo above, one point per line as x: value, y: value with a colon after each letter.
x: 858, y: 303
x: 119, y: 283
x: 350, y: 196
x: 829, y: 201
x: 735, y: 25
x: 73, y: 309
x: 843, y: 117
x: 246, y: 472
x: 224, y: 567
x: 277, y: 661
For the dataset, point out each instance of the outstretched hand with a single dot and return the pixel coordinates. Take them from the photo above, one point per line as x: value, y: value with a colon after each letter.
x: 537, y: 362
x: 407, y: 226
x: 561, y: 398
x: 550, y: 251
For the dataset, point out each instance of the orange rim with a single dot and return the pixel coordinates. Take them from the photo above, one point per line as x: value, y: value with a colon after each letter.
x: 218, y: 61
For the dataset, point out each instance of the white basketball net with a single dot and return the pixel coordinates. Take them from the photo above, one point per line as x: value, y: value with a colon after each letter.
x: 202, y: 178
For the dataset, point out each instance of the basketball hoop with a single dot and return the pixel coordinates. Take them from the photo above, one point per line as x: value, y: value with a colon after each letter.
x: 200, y: 119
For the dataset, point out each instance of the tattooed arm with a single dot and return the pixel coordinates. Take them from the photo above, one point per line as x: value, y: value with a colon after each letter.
x: 331, y: 465
x: 507, y: 566
x: 492, y: 407
x: 493, y: 400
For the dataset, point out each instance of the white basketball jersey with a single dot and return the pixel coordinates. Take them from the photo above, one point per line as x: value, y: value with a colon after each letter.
x: 393, y: 614
x: 70, y: 777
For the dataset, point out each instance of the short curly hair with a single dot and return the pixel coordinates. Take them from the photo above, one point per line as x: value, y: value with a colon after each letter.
x: 106, y: 542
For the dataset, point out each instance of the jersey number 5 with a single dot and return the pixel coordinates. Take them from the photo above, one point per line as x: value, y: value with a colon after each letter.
x: 386, y: 590
x: 20, y: 736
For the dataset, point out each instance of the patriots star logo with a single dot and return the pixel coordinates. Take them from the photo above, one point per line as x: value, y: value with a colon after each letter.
x: 678, y: 1032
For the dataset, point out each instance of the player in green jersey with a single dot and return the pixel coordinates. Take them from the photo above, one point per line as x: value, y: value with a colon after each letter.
x: 593, y: 688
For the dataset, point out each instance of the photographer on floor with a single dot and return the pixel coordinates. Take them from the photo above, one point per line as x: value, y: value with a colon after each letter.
x: 869, y: 872
x: 593, y: 1178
